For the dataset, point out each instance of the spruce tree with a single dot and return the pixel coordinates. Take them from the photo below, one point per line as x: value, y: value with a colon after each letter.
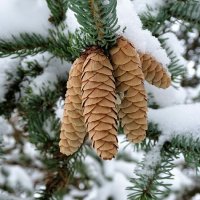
x: 46, y: 156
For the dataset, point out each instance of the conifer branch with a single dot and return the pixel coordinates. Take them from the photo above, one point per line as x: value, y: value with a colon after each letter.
x: 188, y: 146
x: 156, y: 25
x: 188, y: 11
x: 190, y: 149
x: 175, y: 68
x: 98, y: 21
x: 149, y: 184
x: 58, y: 10
x: 96, y: 14
x: 36, y: 109
x: 25, y: 44
x: 184, y: 10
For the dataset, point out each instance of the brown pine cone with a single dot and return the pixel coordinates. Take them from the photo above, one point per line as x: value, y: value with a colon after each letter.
x: 98, y: 98
x: 73, y: 128
x: 153, y: 71
x: 129, y: 82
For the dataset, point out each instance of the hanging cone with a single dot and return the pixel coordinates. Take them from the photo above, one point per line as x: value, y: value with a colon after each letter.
x: 73, y: 128
x: 98, y: 98
x: 153, y: 71
x: 129, y: 82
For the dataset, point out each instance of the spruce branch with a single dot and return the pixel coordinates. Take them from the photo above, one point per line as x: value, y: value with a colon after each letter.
x: 13, y: 94
x: 183, y: 10
x: 36, y: 110
x: 96, y: 14
x: 150, y: 181
x: 154, y: 23
x: 149, y: 184
x: 58, y: 10
x: 98, y: 21
x: 153, y: 134
x: 176, y: 69
x: 98, y: 28
x: 188, y: 146
x: 25, y: 44
x: 188, y: 11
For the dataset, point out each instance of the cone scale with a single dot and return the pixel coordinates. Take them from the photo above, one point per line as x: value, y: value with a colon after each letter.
x: 153, y: 71
x: 73, y: 129
x: 129, y: 84
x: 99, y: 104
x: 99, y: 93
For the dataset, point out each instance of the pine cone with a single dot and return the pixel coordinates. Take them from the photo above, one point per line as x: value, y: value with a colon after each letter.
x: 129, y: 82
x: 98, y: 98
x: 73, y: 128
x: 153, y: 71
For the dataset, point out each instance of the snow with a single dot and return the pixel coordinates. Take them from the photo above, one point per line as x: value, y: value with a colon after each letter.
x: 192, y: 93
x: 9, y: 142
x: 132, y: 30
x: 196, y: 197
x: 176, y: 120
x: 12, y: 20
x: 5, y: 127
x: 125, y: 148
x: 171, y: 197
x: 112, y: 178
x: 127, y: 169
x: 29, y: 150
x: 67, y: 197
x: 114, y: 189
x: 153, y: 47
x: 166, y: 97
x: 59, y: 108
x: 179, y: 120
x: 180, y: 180
x: 175, y: 45
x: 7, y: 65
x: 190, y: 69
x: 48, y: 128
x: 19, y: 177
x: 143, y: 5
x: 5, y: 196
x: 124, y: 168
x: 108, y: 178
x: 94, y: 168
x: 152, y: 158
x: 71, y: 21
x: 54, y: 70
